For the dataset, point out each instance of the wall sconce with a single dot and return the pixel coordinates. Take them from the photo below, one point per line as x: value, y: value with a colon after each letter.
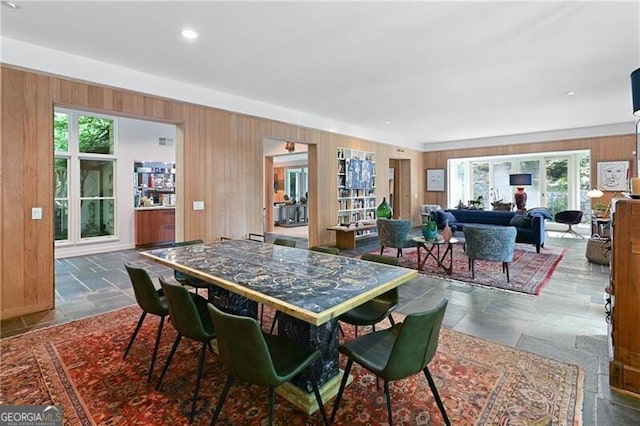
x: 519, y: 180
x: 290, y: 146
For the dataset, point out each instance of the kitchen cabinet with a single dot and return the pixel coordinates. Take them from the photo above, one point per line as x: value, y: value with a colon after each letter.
x: 155, y: 225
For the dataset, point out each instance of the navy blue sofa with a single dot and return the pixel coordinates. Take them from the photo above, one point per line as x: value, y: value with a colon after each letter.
x: 529, y: 225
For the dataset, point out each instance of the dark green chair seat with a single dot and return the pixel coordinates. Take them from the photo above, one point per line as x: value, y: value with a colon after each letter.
x: 259, y: 359
x: 378, y: 308
x: 325, y: 249
x: 190, y: 318
x: 397, y: 353
x: 151, y: 301
x: 284, y: 242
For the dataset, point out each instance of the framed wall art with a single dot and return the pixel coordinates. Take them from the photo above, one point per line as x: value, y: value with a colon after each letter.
x: 613, y: 175
x: 435, y: 180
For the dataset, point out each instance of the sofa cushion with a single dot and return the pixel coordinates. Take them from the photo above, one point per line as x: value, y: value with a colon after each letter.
x: 520, y: 221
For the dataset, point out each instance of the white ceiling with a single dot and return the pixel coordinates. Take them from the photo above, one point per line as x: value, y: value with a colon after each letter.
x: 439, y: 71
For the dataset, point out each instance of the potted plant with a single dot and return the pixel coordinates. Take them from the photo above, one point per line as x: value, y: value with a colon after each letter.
x: 598, y: 209
x: 430, y: 229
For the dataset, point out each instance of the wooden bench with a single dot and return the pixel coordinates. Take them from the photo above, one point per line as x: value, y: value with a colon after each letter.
x: 346, y: 236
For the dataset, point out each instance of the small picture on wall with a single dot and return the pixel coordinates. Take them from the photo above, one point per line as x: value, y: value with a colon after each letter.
x: 613, y: 175
x: 435, y: 180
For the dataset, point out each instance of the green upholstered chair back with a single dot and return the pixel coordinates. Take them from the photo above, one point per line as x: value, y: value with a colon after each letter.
x: 394, y: 232
x: 146, y: 294
x: 328, y: 250
x: 416, y: 343
x: 487, y: 242
x: 243, y: 349
x: 179, y: 276
x: 186, y: 317
x: 284, y: 242
x: 378, y: 258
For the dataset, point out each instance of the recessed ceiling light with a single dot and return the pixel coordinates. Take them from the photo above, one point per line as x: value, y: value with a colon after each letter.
x: 10, y: 5
x: 571, y: 93
x: 190, y: 34
x: 387, y: 122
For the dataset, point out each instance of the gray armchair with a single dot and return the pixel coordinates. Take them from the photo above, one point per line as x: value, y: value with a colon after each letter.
x: 492, y: 243
x: 394, y: 233
x: 426, y: 209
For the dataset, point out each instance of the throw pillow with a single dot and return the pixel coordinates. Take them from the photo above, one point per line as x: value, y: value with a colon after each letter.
x: 520, y: 221
x: 449, y: 217
x: 539, y: 211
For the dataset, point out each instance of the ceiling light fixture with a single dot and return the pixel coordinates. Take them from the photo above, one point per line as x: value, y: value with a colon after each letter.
x: 10, y: 5
x: 189, y: 34
x: 387, y: 122
x: 290, y: 146
x: 571, y: 93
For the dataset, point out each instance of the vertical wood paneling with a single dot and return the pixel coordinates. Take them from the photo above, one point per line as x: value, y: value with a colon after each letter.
x: 13, y: 194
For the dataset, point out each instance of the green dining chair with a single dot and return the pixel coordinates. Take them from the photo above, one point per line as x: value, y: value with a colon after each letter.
x: 186, y: 279
x: 151, y: 301
x: 279, y: 242
x: 260, y: 359
x: 325, y: 249
x: 396, y: 353
x: 190, y: 318
x: 378, y: 308
x: 284, y: 242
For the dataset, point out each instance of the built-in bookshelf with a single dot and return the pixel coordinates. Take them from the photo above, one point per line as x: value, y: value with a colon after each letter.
x: 356, y: 187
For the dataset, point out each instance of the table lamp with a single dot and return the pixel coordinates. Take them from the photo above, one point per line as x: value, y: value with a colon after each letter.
x: 520, y: 180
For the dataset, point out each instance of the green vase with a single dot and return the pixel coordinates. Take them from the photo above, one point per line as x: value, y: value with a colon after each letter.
x: 384, y: 210
x: 430, y: 230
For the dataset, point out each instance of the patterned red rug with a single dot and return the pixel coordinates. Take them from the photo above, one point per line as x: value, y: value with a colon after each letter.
x: 79, y: 365
x: 529, y: 271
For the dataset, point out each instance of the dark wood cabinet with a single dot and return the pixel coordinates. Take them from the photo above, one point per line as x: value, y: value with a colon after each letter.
x: 155, y: 226
x: 624, y: 367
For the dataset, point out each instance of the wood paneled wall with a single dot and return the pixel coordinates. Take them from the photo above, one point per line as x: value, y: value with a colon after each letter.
x: 606, y: 148
x: 218, y: 157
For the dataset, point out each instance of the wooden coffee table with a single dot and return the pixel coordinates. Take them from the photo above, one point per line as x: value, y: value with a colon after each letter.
x: 432, y: 250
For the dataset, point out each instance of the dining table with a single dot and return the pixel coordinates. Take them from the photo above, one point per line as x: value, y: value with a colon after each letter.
x: 310, y: 290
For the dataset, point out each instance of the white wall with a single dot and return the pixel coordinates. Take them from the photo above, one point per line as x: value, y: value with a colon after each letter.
x: 137, y: 140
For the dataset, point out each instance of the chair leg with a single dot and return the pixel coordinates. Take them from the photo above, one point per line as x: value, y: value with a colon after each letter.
x: 272, y: 400
x: 381, y: 250
x: 155, y: 348
x: 391, y: 320
x: 386, y: 392
x: 169, y: 359
x: 436, y: 395
x: 203, y: 352
x: 316, y: 391
x: 399, y: 253
x: 276, y: 316
x: 506, y: 267
x: 473, y: 268
x: 343, y: 383
x: 135, y: 333
x: 341, y: 330
x: 223, y: 396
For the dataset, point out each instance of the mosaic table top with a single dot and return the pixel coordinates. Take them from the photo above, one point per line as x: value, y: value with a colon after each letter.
x: 311, y: 286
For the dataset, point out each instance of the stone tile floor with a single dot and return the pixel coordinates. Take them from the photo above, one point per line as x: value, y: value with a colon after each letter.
x: 565, y: 322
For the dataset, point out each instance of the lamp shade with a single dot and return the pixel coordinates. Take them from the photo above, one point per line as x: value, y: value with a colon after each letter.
x: 594, y: 193
x: 520, y: 179
x: 635, y: 91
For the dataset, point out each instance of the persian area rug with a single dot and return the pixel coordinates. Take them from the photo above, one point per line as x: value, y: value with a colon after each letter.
x: 529, y: 271
x: 79, y: 365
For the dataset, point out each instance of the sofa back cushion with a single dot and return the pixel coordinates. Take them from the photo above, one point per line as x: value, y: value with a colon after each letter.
x: 488, y: 217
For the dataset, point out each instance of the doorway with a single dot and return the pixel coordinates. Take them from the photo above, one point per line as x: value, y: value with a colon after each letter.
x: 400, y: 187
x: 287, y: 188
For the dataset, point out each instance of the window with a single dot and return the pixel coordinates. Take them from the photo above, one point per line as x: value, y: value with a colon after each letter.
x: 560, y: 180
x: 84, y: 170
x: 296, y: 182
